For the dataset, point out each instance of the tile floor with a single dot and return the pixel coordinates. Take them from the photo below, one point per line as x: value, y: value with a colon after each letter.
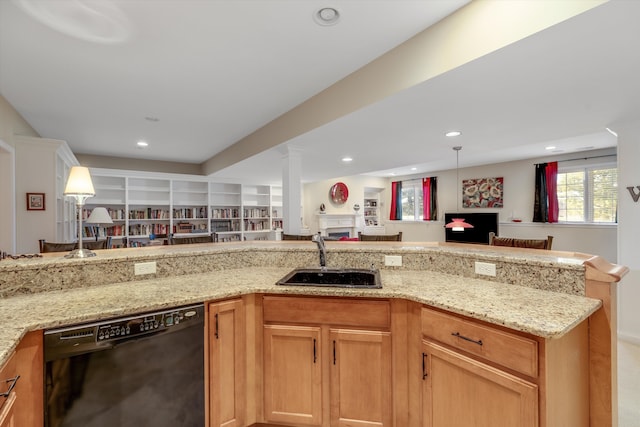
x: 628, y: 384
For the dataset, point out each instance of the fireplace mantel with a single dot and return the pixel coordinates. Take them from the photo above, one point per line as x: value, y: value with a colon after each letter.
x: 328, y: 223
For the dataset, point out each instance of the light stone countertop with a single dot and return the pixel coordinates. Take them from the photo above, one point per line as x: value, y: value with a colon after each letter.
x: 540, y: 312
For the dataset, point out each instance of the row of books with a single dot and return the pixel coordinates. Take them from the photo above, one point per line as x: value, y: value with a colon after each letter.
x: 149, y: 213
x: 256, y: 225
x: 182, y: 213
x: 256, y: 213
x: 146, y: 229
x: 225, y: 213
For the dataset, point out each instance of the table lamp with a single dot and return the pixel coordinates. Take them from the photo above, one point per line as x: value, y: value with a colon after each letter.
x: 99, y: 217
x: 80, y: 187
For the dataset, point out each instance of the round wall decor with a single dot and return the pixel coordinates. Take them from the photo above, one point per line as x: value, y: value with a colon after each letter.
x: 339, y: 193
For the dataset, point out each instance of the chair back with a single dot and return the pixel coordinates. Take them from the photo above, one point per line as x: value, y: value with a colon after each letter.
x: 97, y: 244
x: 68, y: 247
x: 207, y: 238
x: 521, y: 243
x: 296, y: 236
x: 55, y: 246
x: 380, y: 237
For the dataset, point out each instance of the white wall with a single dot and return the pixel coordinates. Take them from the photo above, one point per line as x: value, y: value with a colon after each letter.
x: 519, y: 182
x: 7, y: 198
x: 35, y: 173
x: 629, y: 230
x: 316, y: 193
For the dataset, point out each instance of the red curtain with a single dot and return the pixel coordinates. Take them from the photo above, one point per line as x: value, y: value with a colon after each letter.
x: 396, y: 188
x: 429, y: 199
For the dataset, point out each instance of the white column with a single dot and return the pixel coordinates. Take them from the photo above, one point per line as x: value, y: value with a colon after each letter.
x: 628, y: 229
x: 292, y: 190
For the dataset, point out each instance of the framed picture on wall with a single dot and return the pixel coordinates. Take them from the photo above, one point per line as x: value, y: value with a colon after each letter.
x: 35, y: 202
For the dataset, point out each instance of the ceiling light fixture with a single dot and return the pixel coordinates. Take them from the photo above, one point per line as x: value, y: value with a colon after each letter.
x: 550, y: 147
x: 142, y: 144
x: 347, y: 159
x: 452, y: 134
x: 458, y: 224
x: 326, y: 16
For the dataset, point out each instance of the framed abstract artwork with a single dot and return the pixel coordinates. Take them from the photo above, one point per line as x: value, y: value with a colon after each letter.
x: 482, y: 192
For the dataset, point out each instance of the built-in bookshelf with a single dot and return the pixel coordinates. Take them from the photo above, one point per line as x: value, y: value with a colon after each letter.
x: 147, y: 208
x: 371, y: 210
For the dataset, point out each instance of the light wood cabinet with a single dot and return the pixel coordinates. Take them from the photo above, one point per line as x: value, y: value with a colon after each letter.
x: 459, y: 391
x: 327, y: 362
x: 8, y: 378
x: 360, y: 378
x: 293, y: 374
x: 226, y: 364
x: 473, y: 373
x: 21, y: 378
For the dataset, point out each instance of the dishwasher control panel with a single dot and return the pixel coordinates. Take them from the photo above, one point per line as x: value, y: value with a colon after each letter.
x: 97, y: 335
x: 145, y: 324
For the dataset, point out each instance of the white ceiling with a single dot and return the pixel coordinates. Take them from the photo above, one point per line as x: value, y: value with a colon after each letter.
x: 214, y: 71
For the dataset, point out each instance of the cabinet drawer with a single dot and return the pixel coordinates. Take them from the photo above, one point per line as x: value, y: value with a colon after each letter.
x: 334, y: 311
x: 509, y: 350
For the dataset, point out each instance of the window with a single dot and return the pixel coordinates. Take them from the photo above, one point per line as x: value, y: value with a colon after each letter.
x: 412, y: 200
x: 588, y: 194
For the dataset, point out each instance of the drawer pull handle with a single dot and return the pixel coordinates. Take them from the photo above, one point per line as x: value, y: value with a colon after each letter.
x: 334, y: 352
x: 462, y: 337
x: 13, y: 382
x: 217, y: 331
x: 424, y: 366
x: 315, y: 357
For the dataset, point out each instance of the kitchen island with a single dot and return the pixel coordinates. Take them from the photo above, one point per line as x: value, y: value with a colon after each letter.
x: 543, y: 295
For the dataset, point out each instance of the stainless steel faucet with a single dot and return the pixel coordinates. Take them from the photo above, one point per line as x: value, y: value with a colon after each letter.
x: 317, y: 238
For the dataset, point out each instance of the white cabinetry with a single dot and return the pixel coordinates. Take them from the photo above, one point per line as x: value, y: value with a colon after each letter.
x: 226, y: 202
x: 163, y: 204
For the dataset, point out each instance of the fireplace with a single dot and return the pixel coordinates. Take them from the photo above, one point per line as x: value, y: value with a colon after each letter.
x: 342, y: 225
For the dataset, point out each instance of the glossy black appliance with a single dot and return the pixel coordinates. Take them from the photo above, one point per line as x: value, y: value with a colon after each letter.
x: 141, y: 370
x: 483, y: 224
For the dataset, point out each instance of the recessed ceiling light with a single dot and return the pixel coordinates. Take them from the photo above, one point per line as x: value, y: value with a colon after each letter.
x: 550, y: 147
x: 453, y: 133
x: 326, y: 16
x: 413, y: 169
x: 142, y: 144
x: 152, y: 119
x: 347, y: 159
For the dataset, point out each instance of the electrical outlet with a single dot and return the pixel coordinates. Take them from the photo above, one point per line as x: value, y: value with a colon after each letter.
x: 144, y: 268
x: 486, y: 268
x: 393, y: 260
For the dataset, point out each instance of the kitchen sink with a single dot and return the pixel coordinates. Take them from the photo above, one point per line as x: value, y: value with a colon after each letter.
x: 336, y: 277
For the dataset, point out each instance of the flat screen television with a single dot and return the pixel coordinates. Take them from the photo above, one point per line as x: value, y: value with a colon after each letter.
x: 483, y: 223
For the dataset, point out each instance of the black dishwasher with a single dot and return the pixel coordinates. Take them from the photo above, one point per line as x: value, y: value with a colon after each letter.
x: 141, y: 370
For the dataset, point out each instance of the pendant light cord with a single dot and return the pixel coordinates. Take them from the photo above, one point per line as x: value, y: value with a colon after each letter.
x: 457, y: 148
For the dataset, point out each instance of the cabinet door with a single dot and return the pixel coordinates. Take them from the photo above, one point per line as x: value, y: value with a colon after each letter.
x: 7, y: 413
x: 361, y: 392
x: 292, y: 375
x: 8, y: 403
x: 227, y: 364
x: 460, y: 392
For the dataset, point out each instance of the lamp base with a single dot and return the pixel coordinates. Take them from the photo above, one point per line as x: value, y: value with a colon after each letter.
x: 80, y: 253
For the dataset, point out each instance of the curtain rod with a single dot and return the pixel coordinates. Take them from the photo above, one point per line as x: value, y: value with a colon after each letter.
x: 582, y: 158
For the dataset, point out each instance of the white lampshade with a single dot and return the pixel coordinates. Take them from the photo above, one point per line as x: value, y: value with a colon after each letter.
x: 79, y: 182
x: 99, y: 216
